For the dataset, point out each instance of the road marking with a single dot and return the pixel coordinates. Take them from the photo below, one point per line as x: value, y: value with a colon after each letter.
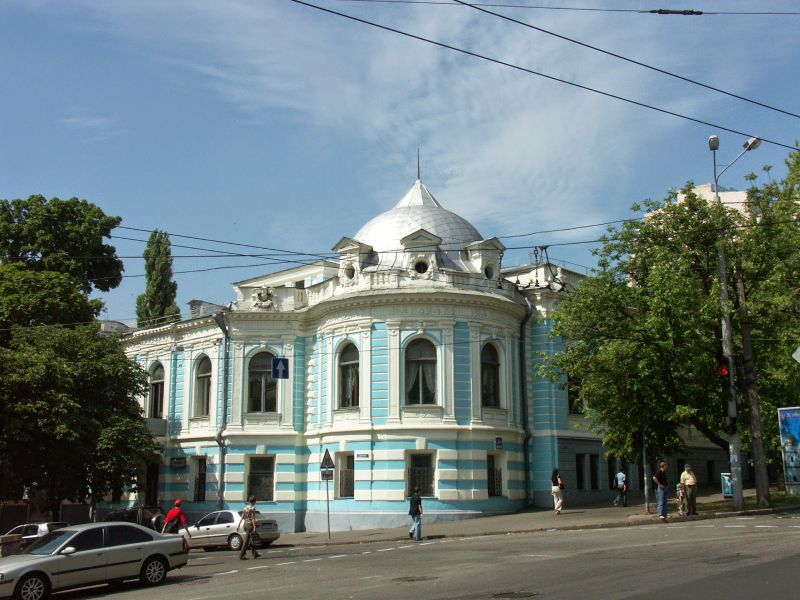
x: 407, y: 546
x: 705, y: 526
x: 312, y: 559
x: 385, y: 549
x: 256, y: 568
x: 286, y: 563
x: 767, y: 526
x: 746, y: 518
x: 367, y: 552
x: 228, y: 572
x: 371, y: 577
x: 338, y: 556
x: 429, y: 543
x: 736, y: 526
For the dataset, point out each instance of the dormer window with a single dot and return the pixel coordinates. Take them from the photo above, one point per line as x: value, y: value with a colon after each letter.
x: 421, y: 266
x: 349, y: 271
x: 488, y: 270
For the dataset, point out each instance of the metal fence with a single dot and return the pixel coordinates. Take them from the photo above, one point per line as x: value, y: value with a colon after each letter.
x: 495, y: 481
x: 422, y: 479
x: 346, y: 483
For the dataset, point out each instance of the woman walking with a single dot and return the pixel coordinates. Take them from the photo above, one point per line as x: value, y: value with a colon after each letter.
x: 558, y: 491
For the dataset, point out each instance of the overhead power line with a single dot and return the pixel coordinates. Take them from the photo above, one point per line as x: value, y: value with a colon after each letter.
x: 539, y: 74
x: 625, y: 58
x: 652, y: 11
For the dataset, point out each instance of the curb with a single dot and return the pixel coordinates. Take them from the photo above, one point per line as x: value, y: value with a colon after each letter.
x: 633, y: 521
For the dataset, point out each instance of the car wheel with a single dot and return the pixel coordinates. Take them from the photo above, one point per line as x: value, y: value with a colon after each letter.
x: 32, y: 587
x: 235, y: 542
x: 154, y: 571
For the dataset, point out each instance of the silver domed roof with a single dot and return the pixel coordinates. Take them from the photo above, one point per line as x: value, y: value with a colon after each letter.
x: 419, y: 210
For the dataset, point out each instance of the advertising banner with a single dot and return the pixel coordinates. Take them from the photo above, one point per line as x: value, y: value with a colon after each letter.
x: 789, y: 421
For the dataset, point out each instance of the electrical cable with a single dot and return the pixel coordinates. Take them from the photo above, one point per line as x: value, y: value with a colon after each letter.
x: 625, y: 58
x: 539, y: 74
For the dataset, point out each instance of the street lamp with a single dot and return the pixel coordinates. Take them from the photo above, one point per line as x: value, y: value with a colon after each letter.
x: 735, y: 440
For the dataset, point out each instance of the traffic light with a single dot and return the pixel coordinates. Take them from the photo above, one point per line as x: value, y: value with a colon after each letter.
x: 724, y: 371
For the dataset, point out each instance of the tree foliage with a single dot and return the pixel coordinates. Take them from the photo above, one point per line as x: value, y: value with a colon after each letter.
x: 157, y: 304
x: 70, y: 423
x: 644, y: 332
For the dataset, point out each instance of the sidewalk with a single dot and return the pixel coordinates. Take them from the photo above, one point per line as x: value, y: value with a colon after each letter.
x: 527, y: 521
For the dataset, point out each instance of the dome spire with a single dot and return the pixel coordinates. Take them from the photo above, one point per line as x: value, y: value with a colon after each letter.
x: 418, y: 176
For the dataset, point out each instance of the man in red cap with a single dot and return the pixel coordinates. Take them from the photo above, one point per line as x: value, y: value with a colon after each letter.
x: 176, y: 519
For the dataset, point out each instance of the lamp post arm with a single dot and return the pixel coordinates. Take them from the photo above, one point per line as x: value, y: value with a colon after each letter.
x: 730, y: 164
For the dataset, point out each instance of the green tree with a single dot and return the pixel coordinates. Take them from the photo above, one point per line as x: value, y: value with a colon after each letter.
x: 645, y: 330
x: 157, y: 304
x: 70, y: 422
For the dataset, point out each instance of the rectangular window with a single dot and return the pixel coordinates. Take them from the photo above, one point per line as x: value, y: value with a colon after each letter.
x: 494, y: 476
x: 594, y: 464
x: 157, y: 400
x: 200, y: 480
x: 347, y: 471
x: 261, y: 478
x: 579, y: 482
x: 420, y: 474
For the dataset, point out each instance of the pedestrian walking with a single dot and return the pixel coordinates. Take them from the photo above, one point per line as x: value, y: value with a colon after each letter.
x: 689, y: 485
x: 622, y: 488
x: 558, y: 491
x: 176, y: 519
x: 415, y: 510
x: 660, y: 479
x: 680, y: 499
x: 249, y: 521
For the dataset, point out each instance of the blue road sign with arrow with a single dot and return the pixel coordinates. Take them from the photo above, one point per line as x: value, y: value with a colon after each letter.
x: 280, y: 368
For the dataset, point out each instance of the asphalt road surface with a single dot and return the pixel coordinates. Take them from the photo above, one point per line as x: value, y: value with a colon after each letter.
x: 748, y: 557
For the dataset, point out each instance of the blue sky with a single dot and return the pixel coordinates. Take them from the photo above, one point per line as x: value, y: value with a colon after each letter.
x: 272, y: 124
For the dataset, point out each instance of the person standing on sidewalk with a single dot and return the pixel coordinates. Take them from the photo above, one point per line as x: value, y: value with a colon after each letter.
x: 415, y: 510
x: 558, y: 491
x: 660, y: 479
x: 622, y: 488
x: 689, y: 485
x: 249, y: 521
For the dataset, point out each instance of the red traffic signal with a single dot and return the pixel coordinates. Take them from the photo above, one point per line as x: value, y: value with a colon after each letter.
x: 722, y: 368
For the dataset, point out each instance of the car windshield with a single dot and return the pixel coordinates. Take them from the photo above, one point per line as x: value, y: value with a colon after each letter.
x: 48, y: 543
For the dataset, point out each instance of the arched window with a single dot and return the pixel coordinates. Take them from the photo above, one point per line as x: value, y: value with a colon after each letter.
x: 348, y: 377
x: 202, y: 387
x: 261, y: 391
x: 420, y: 373
x: 490, y: 377
x: 156, y: 404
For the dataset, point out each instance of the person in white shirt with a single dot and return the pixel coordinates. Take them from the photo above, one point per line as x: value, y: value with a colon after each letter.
x: 622, y: 488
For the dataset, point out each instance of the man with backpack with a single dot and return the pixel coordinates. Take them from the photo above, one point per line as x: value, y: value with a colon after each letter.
x: 250, y: 524
x: 176, y: 519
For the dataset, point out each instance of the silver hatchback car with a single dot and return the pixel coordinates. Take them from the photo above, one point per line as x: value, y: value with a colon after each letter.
x: 90, y: 554
x: 219, y: 529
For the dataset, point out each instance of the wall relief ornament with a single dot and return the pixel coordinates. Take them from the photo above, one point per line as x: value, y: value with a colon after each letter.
x: 264, y: 298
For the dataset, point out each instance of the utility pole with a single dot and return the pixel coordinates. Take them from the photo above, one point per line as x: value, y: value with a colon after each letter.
x: 646, y: 471
x: 734, y: 439
x: 759, y: 457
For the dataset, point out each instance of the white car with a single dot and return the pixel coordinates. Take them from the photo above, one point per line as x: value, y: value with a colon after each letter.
x: 90, y: 554
x: 220, y: 529
x: 30, y: 532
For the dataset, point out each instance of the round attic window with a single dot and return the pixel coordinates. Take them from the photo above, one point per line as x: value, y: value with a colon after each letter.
x: 349, y: 271
x: 421, y: 266
x: 488, y: 270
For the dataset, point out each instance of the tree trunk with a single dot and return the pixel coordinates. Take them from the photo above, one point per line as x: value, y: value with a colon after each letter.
x: 750, y: 385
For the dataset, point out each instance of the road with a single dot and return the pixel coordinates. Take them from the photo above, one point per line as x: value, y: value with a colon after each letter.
x: 744, y: 557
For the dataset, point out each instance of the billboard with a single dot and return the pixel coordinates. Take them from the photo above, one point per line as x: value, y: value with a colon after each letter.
x: 789, y: 421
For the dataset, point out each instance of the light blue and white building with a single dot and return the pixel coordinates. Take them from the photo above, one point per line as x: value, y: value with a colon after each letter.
x: 411, y: 360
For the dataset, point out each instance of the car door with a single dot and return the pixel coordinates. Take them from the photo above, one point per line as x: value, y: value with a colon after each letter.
x: 125, y: 550
x: 202, y: 531
x: 224, y: 526
x: 87, y: 564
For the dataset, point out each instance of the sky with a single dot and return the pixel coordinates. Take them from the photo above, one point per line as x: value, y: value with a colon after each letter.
x: 275, y: 125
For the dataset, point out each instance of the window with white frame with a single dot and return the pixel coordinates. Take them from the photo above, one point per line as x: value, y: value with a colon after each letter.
x: 261, y: 478
x: 156, y: 403
x: 420, y: 474
x: 202, y: 387
x: 348, y: 377
x: 261, y: 387
x: 420, y: 376
x: 490, y: 377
